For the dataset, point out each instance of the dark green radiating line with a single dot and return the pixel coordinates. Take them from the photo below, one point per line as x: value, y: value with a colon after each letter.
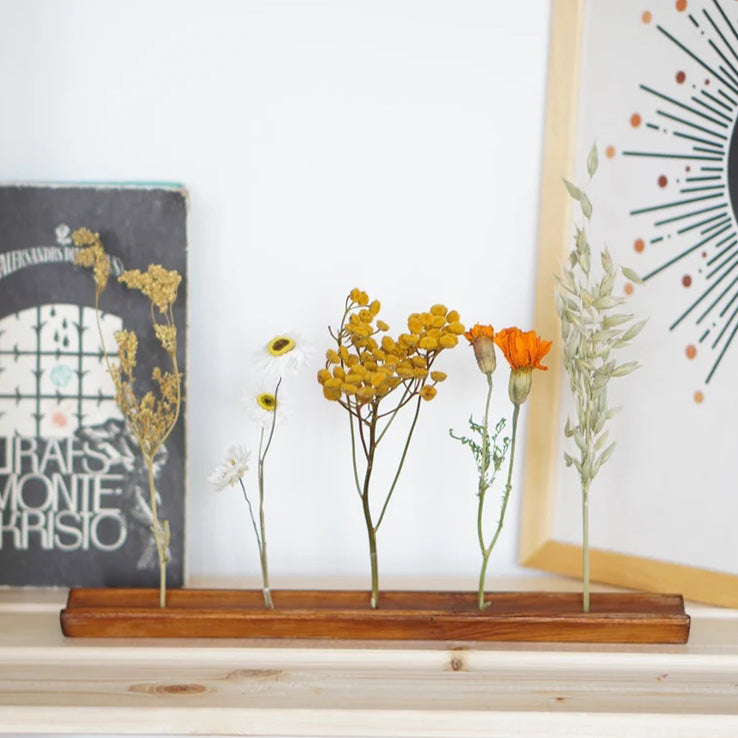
x: 730, y: 25
x: 711, y: 261
x: 704, y: 336
x: 652, y: 125
x: 679, y: 134
x: 690, y: 215
x: 684, y: 253
x: 713, y: 227
x: 707, y: 151
x: 664, y: 114
x: 703, y: 189
x: 703, y: 296
x: 724, y: 40
x: 726, y: 72
x: 717, y: 102
x: 696, y: 58
x: 701, y: 179
x: 690, y: 157
x: 675, y: 204
x: 727, y: 97
x: 730, y: 258
x: 727, y: 250
x: 681, y: 105
x: 722, y: 353
x: 721, y: 314
x: 658, y: 239
x: 711, y: 169
x: 686, y: 229
x: 711, y: 109
x: 727, y: 238
x: 721, y: 295
x: 694, y: 21
x: 725, y: 348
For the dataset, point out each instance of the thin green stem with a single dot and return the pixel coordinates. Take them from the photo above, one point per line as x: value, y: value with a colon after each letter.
x: 400, y: 465
x: 370, y: 527
x: 159, y: 535
x: 585, y: 548
x: 503, y: 509
x: 484, y: 466
x: 263, y: 450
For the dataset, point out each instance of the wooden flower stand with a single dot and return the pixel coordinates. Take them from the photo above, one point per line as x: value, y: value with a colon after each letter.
x: 403, y: 615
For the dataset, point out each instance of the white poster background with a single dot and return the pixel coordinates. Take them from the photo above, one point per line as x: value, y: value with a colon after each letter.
x: 668, y: 491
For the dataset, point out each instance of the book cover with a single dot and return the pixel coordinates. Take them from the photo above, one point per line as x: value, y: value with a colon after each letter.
x: 74, y: 496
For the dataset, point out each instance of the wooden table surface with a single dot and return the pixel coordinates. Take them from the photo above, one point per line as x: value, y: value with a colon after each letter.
x: 49, y: 684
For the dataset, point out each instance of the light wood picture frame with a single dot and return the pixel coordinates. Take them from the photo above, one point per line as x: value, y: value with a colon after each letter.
x: 539, y: 546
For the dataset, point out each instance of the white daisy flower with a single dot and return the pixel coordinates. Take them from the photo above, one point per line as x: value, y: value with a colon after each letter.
x: 283, y: 355
x: 232, y: 469
x: 265, y: 404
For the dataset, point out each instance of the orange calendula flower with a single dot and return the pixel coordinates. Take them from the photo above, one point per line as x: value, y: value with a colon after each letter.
x: 523, y: 352
x: 482, y: 340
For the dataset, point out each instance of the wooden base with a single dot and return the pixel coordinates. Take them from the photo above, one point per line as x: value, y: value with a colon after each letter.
x: 342, y: 614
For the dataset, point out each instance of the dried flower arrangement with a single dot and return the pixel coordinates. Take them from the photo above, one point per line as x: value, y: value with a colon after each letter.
x: 281, y: 357
x: 151, y: 418
x: 373, y: 377
x: 592, y: 335
x: 523, y: 351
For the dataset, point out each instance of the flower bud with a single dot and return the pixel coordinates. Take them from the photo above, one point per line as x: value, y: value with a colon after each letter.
x: 520, y: 383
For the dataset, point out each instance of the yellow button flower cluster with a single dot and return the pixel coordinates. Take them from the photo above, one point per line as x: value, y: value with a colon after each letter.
x: 365, y: 366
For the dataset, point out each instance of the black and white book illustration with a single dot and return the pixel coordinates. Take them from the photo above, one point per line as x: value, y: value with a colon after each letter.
x: 74, y: 496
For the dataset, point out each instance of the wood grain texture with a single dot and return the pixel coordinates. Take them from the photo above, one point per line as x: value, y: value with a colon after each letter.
x: 403, y: 615
x: 387, y: 689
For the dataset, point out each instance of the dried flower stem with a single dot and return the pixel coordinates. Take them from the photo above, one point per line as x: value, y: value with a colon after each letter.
x: 362, y: 372
x: 592, y: 335
x: 151, y: 421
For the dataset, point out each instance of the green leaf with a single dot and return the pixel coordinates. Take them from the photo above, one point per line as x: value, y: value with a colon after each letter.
x: 586, y: 206
x: 573, y: 190
x: 592, y: 161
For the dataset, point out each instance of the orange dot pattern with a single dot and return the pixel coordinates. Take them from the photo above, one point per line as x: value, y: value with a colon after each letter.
x: 635, y: 120
x: 681, y: 5
x: 628, y: 289
x: 699, y: 396
x: 639, y: 245
x: 610, y: 152
x: 691, y: 351
x: 646, y: 17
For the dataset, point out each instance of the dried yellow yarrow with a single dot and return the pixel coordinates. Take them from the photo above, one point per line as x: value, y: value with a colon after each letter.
x: 365, y: 367
x: 158, y: 284
x: 92, y: 254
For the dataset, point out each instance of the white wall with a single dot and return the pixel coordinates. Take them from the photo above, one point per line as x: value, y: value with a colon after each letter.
x: 389, y: 144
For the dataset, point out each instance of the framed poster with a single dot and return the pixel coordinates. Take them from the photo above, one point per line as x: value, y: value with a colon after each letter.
x: 655, y: 85
x: 74, y: 493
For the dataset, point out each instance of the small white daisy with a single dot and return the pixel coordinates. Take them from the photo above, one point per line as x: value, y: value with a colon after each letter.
x: 265, y: 404
x: 283, y: 355
x: 232, y: 469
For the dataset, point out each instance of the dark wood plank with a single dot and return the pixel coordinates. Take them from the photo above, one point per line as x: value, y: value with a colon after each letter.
x: 345, y: 614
